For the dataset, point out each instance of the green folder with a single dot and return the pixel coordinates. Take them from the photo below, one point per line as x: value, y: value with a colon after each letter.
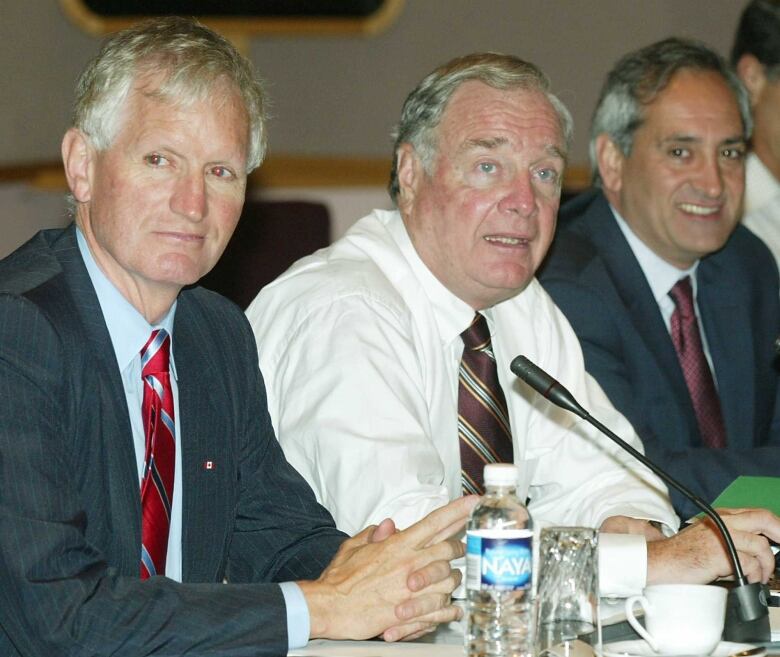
x: 751, y: 492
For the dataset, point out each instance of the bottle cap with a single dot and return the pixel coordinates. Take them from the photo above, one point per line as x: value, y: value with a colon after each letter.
x: 501, y: 474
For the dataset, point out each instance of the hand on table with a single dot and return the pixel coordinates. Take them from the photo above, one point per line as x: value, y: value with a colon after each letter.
x: 397, y: 584
x: 698, y: 554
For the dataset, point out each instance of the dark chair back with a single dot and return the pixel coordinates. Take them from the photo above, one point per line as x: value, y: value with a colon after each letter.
x: 270, y: 236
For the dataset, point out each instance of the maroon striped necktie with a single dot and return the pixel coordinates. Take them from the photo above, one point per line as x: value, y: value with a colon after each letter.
x: 160, y: 455
x: 483, y: 420
x: 696, y: 369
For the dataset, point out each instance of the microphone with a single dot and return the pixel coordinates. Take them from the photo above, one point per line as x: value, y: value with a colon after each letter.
x: 747, y: 614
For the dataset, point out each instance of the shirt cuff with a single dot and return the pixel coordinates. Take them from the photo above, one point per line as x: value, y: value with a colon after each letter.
x: 622, y: 564
x: 297, y: 615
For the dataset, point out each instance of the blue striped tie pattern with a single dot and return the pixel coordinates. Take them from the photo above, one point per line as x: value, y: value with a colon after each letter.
x: 483, y: 421
x: 160, y: 453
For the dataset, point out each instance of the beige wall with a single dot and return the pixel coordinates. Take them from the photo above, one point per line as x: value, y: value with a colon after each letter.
x: 339, y: 96
x: 342, y: 95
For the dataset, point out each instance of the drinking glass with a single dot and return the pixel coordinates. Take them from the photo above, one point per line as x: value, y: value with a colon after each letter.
x: 567, y: 591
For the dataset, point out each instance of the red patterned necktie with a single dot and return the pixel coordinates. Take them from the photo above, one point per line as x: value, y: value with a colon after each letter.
x: 483, y: 420
x: 159, y: 459
x: 696, y: 370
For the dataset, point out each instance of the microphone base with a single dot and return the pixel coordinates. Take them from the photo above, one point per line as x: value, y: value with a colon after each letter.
x: 747, y: 614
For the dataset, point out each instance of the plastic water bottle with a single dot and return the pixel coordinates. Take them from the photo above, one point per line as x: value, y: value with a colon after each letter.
x: 499, y: 565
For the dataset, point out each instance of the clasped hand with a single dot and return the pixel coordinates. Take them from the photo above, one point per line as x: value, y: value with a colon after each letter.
x: 396, y: 584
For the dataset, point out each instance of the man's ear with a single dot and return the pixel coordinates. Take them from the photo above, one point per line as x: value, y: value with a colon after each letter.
x: 610, y: 161
x: 78, y: 159
x: 410, y: 172
x: 751, y: 72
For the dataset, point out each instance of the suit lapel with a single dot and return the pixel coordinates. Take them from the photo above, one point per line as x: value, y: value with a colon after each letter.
x: 726, y: 323
x: 207, y: 433
x: 637, y: 297
x: 207, y: 426
x: 124, y: 508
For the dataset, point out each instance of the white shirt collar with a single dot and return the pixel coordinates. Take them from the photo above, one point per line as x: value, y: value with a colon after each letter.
x: 453, y: 315
x: 128, y: 329
x: 660, y: 275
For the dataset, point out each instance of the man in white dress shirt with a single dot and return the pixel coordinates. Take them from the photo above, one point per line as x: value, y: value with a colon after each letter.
x: 360, y: 343
x: 756, y: 57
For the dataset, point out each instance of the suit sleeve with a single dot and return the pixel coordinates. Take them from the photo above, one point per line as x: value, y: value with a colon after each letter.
x: 281, y: 532
x: 612, y: 360
x: 58, y: 593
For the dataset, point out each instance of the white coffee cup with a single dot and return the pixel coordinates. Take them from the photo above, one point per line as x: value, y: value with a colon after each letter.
x: 680, y: 619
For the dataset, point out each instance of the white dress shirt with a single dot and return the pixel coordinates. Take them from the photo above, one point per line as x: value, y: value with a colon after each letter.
x: 762, y: 204
x: 761, y: 187
x: 360, y: 348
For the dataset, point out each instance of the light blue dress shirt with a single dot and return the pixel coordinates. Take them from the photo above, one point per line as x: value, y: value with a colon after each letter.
x: 129, y: 332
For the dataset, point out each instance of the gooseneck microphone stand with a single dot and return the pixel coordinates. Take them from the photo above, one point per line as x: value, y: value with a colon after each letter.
x: 747, y: 614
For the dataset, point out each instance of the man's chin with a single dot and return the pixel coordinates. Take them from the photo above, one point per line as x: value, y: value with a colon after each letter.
x: 181, y: 271
x: 493, y: 295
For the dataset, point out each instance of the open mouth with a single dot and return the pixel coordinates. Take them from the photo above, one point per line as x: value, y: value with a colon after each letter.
x: 507, y: 241
x: 699, y: 210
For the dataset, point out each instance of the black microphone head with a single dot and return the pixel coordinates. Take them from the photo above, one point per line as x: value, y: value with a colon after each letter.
x: 524, y: 368
x: 545, y: 385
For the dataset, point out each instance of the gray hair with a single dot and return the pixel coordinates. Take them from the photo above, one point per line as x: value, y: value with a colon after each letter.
x: 425, y: 105
x: 640, y: 76
x: 193, y: 60
x: 758, y: 34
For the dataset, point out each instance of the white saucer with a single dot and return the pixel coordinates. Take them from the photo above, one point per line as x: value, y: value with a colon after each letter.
x: 640, y: 648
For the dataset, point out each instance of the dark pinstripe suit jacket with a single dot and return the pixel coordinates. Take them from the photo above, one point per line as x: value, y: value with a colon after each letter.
x: 594, y: 277
x: 69, y: 501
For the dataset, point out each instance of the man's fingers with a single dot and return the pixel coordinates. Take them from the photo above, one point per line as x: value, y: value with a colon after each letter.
x: 754, y: 554
x: 408, y: 632
x: 438, y: 574
x: 448, y: 550
x: 414, y: 608
x: 751, y: 567
x: 427, y: 629
x: 441, y: 613
x: 756, y: 521
x: 361, y: 538
x: 382, y: 531
x: 447, y: 614
x: 441, y: 523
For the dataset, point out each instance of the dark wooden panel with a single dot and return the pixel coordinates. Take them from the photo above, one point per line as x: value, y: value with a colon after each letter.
x: 235, y: 8
x: 242, y: 17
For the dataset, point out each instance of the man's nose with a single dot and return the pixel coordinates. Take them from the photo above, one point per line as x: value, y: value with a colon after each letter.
x: 709, y: 177
x: 520, y: 196
x: 189, y: 197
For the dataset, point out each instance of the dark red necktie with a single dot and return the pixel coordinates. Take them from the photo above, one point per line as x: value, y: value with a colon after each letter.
x: 483, y: 420
x: 160, y: 456
x: 696, y: 370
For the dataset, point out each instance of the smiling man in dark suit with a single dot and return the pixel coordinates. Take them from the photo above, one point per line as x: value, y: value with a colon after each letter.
x: 138, y: 465
x: 675, y: 305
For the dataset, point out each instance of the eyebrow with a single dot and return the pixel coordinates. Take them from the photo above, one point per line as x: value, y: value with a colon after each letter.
x: 553, y: 150
x: 491, y: 143
x: 690, y: 139
x: 495, y: 142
